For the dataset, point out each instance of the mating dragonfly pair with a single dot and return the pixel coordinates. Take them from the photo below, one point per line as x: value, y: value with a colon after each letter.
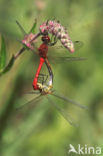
x: 45, y: 87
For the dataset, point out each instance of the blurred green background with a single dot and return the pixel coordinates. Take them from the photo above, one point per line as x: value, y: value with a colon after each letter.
x: 40, y: 130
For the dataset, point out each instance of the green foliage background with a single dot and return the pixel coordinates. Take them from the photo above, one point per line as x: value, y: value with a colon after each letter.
x: 40, y: 130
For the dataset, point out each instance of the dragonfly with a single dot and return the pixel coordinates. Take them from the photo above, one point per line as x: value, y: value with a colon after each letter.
x: 46, y: 90
x: 43, y: 88
x: 30, y: 39
x: 43, y: 54
x: 42, y: 51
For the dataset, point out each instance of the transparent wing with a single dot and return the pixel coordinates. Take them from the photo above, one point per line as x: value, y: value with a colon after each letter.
x: 62, y: 97
x: 65, y: 59
x: 33, y: 101
x: 65, y: 114
x: 59, y: 57
x: 55, y: 57
x: 77, y: 45
x: 63, y: 109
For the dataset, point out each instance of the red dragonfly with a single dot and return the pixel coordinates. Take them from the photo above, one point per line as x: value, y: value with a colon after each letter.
x: 30, y: 39
x: 42, y: 51
x: 46, y: 90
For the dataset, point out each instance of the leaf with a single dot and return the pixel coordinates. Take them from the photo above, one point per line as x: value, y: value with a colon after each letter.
x: 8, y: 67
x: 33, y: 27
x: 2, y: 53
x: 21, y: 28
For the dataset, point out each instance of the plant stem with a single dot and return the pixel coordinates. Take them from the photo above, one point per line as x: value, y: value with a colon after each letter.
x: 36, y: 36
x: 19, y: 53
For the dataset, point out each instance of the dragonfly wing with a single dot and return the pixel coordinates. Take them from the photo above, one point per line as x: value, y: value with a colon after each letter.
x: 32, y: 101
x: 78, y: 45
x: 33, y: 92
x: 63, y: 112
x: 69, y: 101
x: 58, y: 60
x: 61, y: 56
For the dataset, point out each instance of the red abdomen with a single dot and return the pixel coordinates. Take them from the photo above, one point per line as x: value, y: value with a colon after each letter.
x: 35, y: 84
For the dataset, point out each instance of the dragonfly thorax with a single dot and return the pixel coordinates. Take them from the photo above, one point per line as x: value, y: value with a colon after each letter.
x: 43, y: 50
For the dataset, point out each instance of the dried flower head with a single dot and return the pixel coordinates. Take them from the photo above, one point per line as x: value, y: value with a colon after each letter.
x: 27, y: 40
x: 56, y: 29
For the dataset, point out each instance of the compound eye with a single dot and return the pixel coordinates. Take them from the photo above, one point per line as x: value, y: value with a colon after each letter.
x: 48, y: 39
x: 43, y: 38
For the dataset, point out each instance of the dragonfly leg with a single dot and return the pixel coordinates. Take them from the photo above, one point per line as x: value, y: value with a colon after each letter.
x: 43, y: 78
x: 53, y: 43
x: 40, y: 80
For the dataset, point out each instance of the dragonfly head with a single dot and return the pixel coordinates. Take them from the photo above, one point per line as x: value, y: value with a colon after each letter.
x: 44, y: 89
x: 45, y: 39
